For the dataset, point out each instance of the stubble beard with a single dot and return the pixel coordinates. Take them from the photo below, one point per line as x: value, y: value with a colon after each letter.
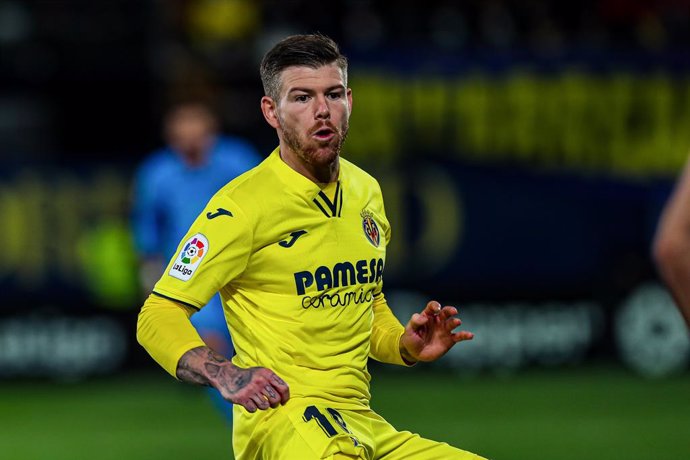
x: 309, y: 150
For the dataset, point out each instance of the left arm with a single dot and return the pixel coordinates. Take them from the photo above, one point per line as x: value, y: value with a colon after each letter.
x: 427, y: 336
x: 386, y: 333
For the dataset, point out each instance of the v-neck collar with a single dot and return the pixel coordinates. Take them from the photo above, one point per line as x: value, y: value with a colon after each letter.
x: 296, y: 180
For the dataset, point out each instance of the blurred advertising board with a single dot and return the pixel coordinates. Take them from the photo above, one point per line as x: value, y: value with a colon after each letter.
x: 526, y: 193
x: 541, y: 265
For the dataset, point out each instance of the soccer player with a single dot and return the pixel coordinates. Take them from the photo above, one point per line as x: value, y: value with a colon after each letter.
x: 297, y: 248
x: 671, y: 247
x: 172, y: 186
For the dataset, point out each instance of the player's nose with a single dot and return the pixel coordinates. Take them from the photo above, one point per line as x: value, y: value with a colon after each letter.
x: 322, y: 110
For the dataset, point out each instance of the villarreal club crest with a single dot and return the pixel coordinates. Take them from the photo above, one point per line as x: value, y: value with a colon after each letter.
x: 371, y: 230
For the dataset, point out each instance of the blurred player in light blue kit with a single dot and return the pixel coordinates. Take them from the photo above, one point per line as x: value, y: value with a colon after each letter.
x: 172, y: 186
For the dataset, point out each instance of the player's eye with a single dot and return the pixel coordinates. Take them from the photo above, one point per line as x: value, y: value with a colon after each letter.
x: 301, y: 98
x: 335, y: 95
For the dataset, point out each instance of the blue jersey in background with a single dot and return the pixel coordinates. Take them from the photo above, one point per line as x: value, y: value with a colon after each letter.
x: 168, y: 195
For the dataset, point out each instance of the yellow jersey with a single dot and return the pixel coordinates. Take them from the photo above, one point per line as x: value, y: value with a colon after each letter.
x: 299, y: 268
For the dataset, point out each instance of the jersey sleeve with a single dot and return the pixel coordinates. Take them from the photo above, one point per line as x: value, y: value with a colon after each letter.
x: 164, y: 330
x: 386, y: 329
x: 385, y: 334
x: 214, y: 251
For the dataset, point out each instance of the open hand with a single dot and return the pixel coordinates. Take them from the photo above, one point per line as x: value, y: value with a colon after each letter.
x: 429, y: 335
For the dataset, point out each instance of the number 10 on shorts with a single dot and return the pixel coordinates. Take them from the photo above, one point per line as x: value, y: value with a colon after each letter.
x: 312, y: 412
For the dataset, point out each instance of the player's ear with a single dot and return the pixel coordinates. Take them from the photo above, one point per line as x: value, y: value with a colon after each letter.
x: 348, y: 93
x: 268, y: 108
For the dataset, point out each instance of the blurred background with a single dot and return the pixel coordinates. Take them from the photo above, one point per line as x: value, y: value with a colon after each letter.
x: 525, y: 150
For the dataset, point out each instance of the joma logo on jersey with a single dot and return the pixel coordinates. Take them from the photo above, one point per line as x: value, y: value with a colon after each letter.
x: 341, y: 274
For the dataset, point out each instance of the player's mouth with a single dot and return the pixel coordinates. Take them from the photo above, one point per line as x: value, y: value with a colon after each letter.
x: 324, y: 134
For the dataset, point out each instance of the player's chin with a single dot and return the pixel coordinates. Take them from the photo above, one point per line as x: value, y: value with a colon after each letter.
x: 324, y: 155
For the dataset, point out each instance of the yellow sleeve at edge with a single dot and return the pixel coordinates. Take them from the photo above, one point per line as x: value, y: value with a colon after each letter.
x: 164, y: 330
x: 385, y: 334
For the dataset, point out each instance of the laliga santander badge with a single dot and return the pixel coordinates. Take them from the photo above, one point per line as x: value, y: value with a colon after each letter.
x: 371, y: 230
x: 191, y: 255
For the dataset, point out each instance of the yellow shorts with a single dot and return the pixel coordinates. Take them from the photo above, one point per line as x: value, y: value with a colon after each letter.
x: 301, y: 430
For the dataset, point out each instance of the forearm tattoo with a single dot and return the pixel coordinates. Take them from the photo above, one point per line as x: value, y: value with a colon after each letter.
x: 203, y: 366
x: 191, y: 365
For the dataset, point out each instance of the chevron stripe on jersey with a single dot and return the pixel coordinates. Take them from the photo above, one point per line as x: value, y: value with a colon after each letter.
x: 335, y: 207
x: 298, y: 289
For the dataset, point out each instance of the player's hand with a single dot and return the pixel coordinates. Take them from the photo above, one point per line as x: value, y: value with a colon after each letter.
x: 253, y: 388
x: 429, y: 335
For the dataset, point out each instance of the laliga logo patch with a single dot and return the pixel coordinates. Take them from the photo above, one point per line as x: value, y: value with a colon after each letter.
x: 371, y: 230
x: 189, y: 258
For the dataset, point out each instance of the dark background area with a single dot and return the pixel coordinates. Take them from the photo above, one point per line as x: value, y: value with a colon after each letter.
x: 525, y: 150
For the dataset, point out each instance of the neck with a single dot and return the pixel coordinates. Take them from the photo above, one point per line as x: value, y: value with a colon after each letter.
x: 194, y: 159
x: 319, y: 174
x: 195, y: 154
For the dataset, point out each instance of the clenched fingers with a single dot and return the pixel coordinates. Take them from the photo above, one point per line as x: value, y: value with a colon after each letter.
x: 272, y: 396
x: 260, y: 401
x: 256, y: 388
x: 281, y: 387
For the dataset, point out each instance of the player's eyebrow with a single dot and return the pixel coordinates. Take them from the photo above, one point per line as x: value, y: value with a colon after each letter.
x: 340, y: 87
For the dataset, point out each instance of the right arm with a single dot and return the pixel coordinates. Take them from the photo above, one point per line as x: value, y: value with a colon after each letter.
x: 671, y: 247
x: 164, y: 330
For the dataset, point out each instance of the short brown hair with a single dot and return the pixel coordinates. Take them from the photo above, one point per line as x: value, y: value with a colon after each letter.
x: 314, y: 50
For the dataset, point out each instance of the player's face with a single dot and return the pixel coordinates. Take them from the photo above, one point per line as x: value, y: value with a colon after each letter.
x: 189, y: 131
x: 313, y: 113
